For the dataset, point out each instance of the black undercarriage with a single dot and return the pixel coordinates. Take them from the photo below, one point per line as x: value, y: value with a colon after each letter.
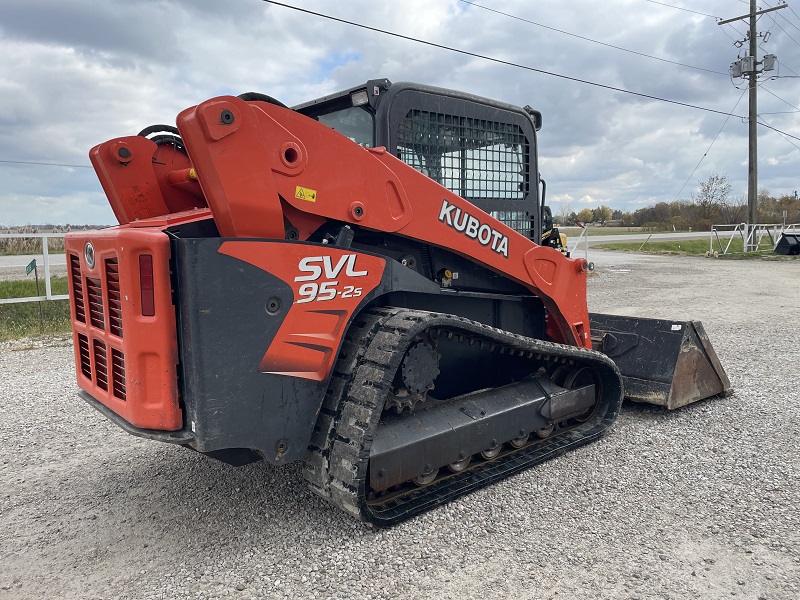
x: 383, y: 459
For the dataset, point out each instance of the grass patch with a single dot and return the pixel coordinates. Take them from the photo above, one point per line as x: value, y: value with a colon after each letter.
x: 688, y: 248
x: 22, y: 319
x: 574, y: 232
x: 680, y: 247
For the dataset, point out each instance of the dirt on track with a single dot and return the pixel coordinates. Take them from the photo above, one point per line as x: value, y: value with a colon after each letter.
x: 697, y: 503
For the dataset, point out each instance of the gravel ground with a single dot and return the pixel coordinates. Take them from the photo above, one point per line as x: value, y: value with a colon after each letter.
x: 698, y: 503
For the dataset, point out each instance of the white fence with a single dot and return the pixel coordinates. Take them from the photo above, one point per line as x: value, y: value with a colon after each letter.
x: 585, y: 237
x: 45, y: 259
x: 752, y: 236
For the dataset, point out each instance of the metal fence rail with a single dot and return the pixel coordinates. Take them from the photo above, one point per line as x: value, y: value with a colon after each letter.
x: 46, y: 260
x: 752, y: 236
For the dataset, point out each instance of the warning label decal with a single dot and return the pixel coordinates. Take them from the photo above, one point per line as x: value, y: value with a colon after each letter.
x: 305, y: 194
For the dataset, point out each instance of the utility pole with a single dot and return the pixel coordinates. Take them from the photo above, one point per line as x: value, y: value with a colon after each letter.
x: 752, y: 127
x: 748, y: 66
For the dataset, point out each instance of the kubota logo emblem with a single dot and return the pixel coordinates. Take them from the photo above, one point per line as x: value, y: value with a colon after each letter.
x: 470, y: 226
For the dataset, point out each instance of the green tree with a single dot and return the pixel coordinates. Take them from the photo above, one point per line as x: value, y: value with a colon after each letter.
x: 602, y: 214
x: 586, y: 215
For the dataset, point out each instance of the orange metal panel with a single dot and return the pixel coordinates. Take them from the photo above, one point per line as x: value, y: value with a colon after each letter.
x: 139, y: 178
x: 125, y: 360
x: 328, y: 286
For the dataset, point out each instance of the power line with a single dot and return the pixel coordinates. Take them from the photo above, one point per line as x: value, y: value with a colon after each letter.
x: 781, y: 16
x: 580, y: 37
x: 787, y: 68
x: 46, y: 164
x: 783, y: 30
x: 784, y: 135
x: 794, y: 13
x: 772, y: 18
x: 702, y: 158
x: 794, y: 137
x: 497, y: 60
x: 685, y: 9
x: 778, y: 97
x: 500, y: 61
x: 785, y: 5
x: 733, y: 39
x: 788, y: 21
x: 739, y: 33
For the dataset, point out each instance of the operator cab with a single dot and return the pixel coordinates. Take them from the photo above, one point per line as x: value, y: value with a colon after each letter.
x: 480, y: 149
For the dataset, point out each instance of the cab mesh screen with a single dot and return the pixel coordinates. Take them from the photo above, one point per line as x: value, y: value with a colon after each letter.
x: 483, y: 161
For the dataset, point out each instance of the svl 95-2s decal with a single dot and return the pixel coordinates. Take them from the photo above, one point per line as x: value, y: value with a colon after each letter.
x: 326, y: 290
x: 315, y: 267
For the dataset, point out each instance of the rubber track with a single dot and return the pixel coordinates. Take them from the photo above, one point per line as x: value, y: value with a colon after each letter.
x: 337, y: 461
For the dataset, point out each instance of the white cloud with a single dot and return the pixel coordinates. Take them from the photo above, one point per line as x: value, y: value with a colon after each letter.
x: 78, y: 73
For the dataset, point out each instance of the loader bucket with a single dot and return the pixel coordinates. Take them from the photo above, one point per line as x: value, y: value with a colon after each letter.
x: 788, y: 244
x: 669, y: 363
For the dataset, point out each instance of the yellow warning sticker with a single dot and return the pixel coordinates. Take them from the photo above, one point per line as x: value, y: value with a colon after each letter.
x: 305, y: 194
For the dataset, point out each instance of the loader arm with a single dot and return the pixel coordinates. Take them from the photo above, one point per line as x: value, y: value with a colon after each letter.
x: 253, y: 159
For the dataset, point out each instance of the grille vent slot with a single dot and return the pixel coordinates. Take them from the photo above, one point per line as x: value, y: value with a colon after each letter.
x: 83, y: 350
x: 77, y: 287
x: 100, y: 365
x: 118, y: 373
x: 95, y: 296
x: 114, y: 297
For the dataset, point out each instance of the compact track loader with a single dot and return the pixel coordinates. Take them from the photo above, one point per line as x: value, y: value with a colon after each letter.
x: 369, y: 283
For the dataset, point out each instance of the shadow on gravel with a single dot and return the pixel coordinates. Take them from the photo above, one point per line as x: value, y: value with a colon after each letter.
x: 163, y: 493
x: 641, y: 409
x: 168, y: 494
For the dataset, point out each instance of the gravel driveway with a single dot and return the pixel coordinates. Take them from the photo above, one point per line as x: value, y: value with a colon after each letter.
x: 698, y: 503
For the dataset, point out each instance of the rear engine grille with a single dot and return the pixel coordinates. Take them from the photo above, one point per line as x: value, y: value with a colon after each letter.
x: 100, y: 365
x: 101, y: 360
x: 77, y: 287
x: 118, y: 373
x: 83, y: 349
x: 95, y: 294
x: 114, y: 299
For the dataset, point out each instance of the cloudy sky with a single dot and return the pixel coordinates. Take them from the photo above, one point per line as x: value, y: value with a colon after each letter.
x: 78, y: 72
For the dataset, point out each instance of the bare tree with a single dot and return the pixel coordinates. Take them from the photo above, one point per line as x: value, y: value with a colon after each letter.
x: 712, y: 195
x: 564, y: 212
x: 734, y: 210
